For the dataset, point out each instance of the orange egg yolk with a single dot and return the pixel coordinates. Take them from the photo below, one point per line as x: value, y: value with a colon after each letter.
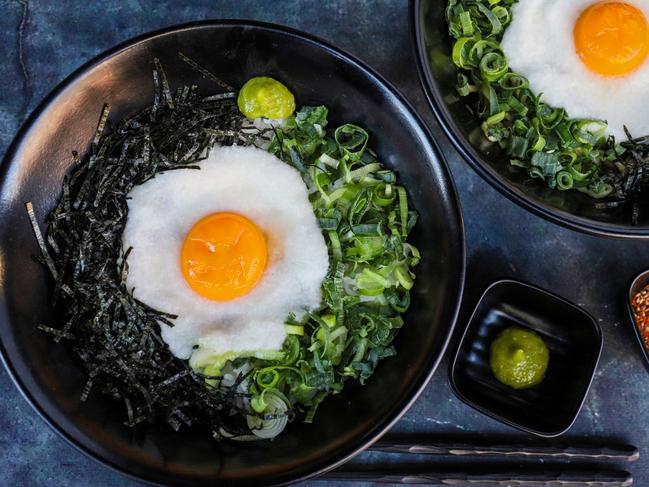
x: 223, y: 256
x: 612, y: 38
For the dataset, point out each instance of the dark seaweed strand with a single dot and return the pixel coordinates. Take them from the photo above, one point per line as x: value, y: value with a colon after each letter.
x: 206, y: 73
x: 630, y: 176
x: 116, y: 337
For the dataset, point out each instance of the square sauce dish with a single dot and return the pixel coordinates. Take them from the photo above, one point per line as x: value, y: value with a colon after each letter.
x: 572, y: 337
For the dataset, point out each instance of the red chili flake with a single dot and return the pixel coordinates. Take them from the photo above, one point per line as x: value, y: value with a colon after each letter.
x: 640, y: 306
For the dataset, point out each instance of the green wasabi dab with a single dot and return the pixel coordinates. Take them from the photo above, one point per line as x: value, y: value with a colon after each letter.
x: 265, y: 97
x: 519, y: 358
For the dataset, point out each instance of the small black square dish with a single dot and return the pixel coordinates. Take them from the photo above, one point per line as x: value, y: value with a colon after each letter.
x: 572, y: 337
x: 637, y: 286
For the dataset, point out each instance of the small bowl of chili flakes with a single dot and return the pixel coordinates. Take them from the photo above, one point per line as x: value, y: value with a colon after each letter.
x: 638, y: 304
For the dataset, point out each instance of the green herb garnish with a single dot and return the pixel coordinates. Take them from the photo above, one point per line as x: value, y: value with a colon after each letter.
x: 366, y: 217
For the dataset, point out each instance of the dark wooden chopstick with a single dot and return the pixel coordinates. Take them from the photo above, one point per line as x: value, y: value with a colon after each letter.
x: 499, y: 475
x: 612, y: 478
x: 619, y: 453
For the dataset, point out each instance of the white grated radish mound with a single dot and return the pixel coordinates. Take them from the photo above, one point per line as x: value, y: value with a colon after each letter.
x: 242, y: 180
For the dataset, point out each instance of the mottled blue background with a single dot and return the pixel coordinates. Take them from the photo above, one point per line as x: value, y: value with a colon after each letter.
x: 41, y: 42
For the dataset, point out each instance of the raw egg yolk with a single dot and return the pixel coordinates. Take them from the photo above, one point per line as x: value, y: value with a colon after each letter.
x: 612, y: 38
x: 223, y: 256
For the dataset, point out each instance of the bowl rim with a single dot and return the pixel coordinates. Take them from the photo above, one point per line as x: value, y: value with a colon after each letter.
x: 452, y: 196
x: 482, y: 167
x: 633, y: 288
x: 492, y: 414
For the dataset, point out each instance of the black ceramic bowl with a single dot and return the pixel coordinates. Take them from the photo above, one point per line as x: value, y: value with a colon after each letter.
x: 438, y: 75
x: 572, y: 336
x: 317, y: 73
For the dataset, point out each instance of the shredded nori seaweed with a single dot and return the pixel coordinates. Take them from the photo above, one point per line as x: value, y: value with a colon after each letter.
x: 115, y: 336
x: 631, y: 178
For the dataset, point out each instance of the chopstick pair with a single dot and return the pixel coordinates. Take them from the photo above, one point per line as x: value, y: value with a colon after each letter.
x: 498, y: 475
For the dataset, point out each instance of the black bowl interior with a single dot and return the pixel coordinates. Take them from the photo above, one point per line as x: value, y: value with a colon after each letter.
x: 572, y: 336
x: 235, y: 51
x: 439, y: 76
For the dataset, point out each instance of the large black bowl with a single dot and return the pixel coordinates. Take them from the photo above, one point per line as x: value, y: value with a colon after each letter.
x: 317, y: 73
x: 438, y: 75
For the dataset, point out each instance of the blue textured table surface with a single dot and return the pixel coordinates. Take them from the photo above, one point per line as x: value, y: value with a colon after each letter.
x: 41, y: 42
